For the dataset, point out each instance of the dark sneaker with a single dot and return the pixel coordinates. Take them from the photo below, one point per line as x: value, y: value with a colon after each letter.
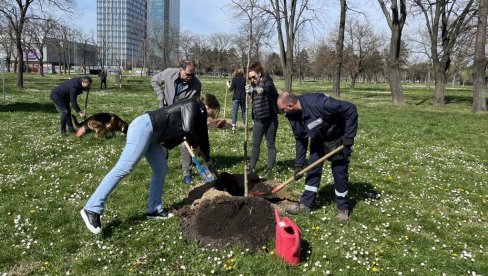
x: 342, y: 215
x: 295, y: 209
x: 159, y: 215
x: 253, y: 176
x: 187, y: 179
x: 92, y: 221
x: 266, y: 173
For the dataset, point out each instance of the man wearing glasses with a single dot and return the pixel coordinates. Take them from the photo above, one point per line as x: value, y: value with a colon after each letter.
x: 179, y: 84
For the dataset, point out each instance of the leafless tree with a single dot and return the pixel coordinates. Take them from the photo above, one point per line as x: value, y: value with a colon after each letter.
x: 221, y: 44
x: 396, y: 22
x: 360, y: 42
x: 446, y: 20
x: 339, y: 47
x: 7, y: 41
x: 37, y: 32
x: 290, y: 17
x: 18, y: 12
x: 479, y: 74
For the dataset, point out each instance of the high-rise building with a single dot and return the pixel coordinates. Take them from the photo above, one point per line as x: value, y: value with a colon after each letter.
x: 163, y: 30
x: 121, y: 31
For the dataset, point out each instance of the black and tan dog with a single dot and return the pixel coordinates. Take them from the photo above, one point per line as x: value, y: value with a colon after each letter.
x: 101, y: 123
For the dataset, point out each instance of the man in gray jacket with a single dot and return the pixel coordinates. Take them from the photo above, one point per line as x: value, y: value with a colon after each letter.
x: 173, y: 85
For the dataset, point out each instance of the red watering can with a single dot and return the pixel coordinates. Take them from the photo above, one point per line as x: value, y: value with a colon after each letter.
x: 288, y: 242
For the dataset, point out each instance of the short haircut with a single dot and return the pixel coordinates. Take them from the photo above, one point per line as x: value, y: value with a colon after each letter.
x: 288, y: 98
x: 256, y: 67
x: 86, y: 79
x: 185, y: 63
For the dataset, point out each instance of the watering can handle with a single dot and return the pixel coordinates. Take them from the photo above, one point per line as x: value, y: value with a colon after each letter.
x: 277, y: 216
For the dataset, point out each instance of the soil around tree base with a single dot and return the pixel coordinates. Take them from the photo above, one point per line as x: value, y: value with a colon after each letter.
x: 218, y: 216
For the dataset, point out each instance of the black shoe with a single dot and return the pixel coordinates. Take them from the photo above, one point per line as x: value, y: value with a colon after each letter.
x: 159, y: 215
x: 92, y: 221
x: 253, y: 176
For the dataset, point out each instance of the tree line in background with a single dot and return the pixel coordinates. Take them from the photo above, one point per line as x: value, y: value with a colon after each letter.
x: 449, y: 44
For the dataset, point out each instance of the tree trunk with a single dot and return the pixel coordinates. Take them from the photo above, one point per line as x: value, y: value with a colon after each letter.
x: 394, y: 67
x: 440, y: 83
x: 479, y: 78
x: 20, y: 63
x: 339, y: 51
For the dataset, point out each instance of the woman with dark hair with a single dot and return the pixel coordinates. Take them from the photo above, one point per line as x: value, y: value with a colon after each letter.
x: 148, y: 136
x: 238, y: 85
x: 263, y: 95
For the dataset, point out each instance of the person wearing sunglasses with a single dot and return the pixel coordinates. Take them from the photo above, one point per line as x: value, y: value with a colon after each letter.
x: 263, y: 95
x: 173, y: 85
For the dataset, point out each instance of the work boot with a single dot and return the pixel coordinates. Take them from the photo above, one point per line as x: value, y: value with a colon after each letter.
x: 296, y: 209
x: 342, y: 215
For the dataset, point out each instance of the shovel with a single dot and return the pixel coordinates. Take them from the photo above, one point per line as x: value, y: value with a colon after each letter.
x: 300, y: 173
x: 204, y: 171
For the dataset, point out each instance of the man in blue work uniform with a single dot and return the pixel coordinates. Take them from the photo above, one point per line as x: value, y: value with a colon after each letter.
x: 328, y: 123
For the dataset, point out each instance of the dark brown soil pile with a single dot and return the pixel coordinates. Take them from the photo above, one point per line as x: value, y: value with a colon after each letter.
x: 226, y: 221
x: 218, y: 215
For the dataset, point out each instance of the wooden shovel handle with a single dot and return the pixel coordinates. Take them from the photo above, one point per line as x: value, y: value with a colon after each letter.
x: 309, y: 167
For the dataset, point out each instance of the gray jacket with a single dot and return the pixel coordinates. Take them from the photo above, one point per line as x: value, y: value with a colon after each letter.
x: 170, y: 77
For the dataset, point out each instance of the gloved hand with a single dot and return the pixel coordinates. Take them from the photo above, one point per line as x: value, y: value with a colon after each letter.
x: 347, y: 141
x: 296, y: 174
x: 228, y: 84
x: 248, y: 89
x: 259, y: 90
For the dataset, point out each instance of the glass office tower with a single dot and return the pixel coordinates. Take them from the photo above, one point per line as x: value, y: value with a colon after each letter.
x: 163, y: 30
x: 121, y: 31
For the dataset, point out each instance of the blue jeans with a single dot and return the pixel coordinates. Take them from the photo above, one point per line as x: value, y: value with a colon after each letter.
x: 138, y: 144
x: 235, y: 109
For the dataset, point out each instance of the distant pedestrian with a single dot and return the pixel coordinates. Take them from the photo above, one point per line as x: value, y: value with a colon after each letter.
x: 237, y: 86
x: 65, y: 94
x: 103, y: 78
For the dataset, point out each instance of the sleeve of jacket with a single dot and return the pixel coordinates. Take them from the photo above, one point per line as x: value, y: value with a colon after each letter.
x: 194, y: 123
x: 346, y: 111
x: 156, y: 82
x: 74, y: 98
x: 301, y: 143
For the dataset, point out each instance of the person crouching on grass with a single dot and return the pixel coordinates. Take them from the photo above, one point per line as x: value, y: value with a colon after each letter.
x: 166, y: 126
x: 328, y: 123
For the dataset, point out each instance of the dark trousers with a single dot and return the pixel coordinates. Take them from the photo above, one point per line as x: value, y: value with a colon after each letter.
x: 340, y: 173
x: 267, y: 128
x: 103, y: 82
x: 65, y: 112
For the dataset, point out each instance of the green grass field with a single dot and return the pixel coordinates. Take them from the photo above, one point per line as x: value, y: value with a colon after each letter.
x: 419, y: 180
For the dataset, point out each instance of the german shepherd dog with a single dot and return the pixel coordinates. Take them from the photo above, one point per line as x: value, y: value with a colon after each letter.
x: 101, y: 123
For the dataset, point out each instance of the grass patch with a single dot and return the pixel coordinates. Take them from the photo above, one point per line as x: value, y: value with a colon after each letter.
x: 419, y: 176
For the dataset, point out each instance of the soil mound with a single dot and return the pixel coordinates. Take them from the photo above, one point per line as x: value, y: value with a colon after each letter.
x: 218, y: 215
x: 230, y: 220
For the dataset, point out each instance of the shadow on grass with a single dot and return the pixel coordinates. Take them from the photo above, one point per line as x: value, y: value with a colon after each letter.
x: 126, y: 223
x: 358, y: 191
x: 30, y: 107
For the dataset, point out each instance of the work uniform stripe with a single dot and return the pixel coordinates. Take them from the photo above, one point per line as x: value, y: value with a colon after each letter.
x: 344, y: 194
x: 311, y: 188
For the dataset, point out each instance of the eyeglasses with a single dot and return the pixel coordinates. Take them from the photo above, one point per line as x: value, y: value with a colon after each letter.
x: 253, y: 77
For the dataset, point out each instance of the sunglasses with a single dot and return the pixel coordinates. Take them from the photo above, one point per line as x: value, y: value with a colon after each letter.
x: 253, y: 77
x: 190, y: 75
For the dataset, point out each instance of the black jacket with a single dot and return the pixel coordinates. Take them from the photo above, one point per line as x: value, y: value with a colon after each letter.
x: 185, y: 118
x: 264, y: 104
x: 238, y: 86
x: 67, y: 92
